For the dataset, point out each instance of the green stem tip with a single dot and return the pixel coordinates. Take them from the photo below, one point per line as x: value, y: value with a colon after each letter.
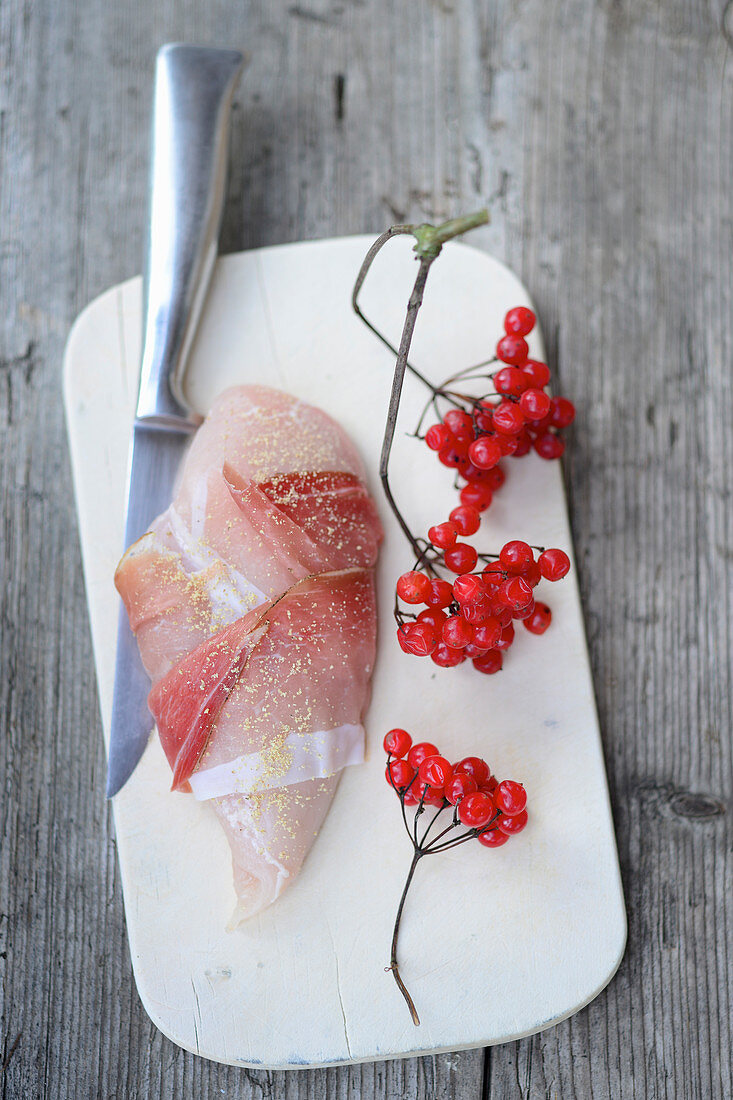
x: 429, y: 239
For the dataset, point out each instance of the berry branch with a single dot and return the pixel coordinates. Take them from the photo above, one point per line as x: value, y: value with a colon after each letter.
x: 469, y: 615
x: 476, y: 432
x: 490, y: 811
x: 429, y: 240
x: 472, y: 616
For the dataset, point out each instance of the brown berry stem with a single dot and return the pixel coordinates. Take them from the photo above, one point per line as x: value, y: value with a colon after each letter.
x: 429, y: 242
x: 424, y: 838
x: 413, y: 309
x: 393, y: 231
x: 393, y: 957
x: 430, y: 239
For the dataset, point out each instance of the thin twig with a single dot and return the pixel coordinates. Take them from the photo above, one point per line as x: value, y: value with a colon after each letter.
x: 435, y: 818
x: 418, y: 811
x: 429, y: 242
x: 393, y: 956
x: 447, y: 829
x: 413, y: 309
x: 400, y: 792
x: 452, y: 843
x: 393, y: 231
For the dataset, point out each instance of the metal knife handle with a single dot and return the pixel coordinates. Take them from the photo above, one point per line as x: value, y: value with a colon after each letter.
x: 193, y: 93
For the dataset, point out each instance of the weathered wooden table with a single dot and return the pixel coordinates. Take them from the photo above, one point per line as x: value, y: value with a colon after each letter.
x: 599, y: 134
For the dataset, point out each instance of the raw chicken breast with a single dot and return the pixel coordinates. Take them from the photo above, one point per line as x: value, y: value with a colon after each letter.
x: 252, y: 600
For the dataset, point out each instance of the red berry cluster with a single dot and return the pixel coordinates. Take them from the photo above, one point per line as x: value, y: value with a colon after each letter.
x: 490, y: 810
x: 472, y: 616
x: 477, y: 432
x: 466, y: 795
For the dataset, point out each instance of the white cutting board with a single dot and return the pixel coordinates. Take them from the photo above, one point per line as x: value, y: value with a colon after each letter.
x: 495, y: 944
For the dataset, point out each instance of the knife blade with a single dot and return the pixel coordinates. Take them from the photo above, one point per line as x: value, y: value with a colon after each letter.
x: 191, y: 106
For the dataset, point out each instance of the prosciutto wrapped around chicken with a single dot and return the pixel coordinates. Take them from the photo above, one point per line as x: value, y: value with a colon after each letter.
x: 252, y: 600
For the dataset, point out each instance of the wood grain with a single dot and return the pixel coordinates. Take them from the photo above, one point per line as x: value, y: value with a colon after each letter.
x: 599, y: 133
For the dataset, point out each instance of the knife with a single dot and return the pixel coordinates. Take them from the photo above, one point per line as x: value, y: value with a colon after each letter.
x: 191, y: 105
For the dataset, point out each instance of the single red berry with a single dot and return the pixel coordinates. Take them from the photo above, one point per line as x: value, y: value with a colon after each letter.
x: 453, y: 456
x: 539, y: 620
x: 411, y: 797
x: 519, y: 321
x: 563, y: 412
x: 484, y: 452
x: 421, y: 751
x: 515, y: 593
x: 510, y: 797
x: 507, y: 444
x: 495, y: 478
x: 473, y: 651
x: 493, y: 574
x: 501, y: 612
x: 549, y: 446
x: 512, y: 825
x: 512, y: 350
x: 554, y: 564
x: 457, y: 633
x: 524, y: 613
x: 398, y: 742
x: 476, y: 496
x: 490, y: 663
x: 468, y: 587
x: 509, y: 418
x: 434, y: 617
x: 539, y: 427
x: 466, y: 520
x: 459, y: 786
x: 440, y: 594
x: 492, y: 838
x: 443, y: 535
x: 436, y: 771
x: 460, y: 423
x: 538, y: 373
x: 413, y: 587
x: 473, y: 474
x: 535, y: 404
x: 487, y: 634
x: 461, y: 558
x: 524, y: 444
x: 532, y: 574
x: 475, y: 766
x: 399, y: 773
x: 511, y: 381
x: 438, y: 436
x: 476, y: 613
x: 490, y: 785
x: 418, y: 639
x: 445, y: 656
x: 516, y: 556
x: 476, y: 810
x: 507, y: 637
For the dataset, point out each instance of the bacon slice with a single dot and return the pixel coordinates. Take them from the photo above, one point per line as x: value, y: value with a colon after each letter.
x: 252, y: 599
